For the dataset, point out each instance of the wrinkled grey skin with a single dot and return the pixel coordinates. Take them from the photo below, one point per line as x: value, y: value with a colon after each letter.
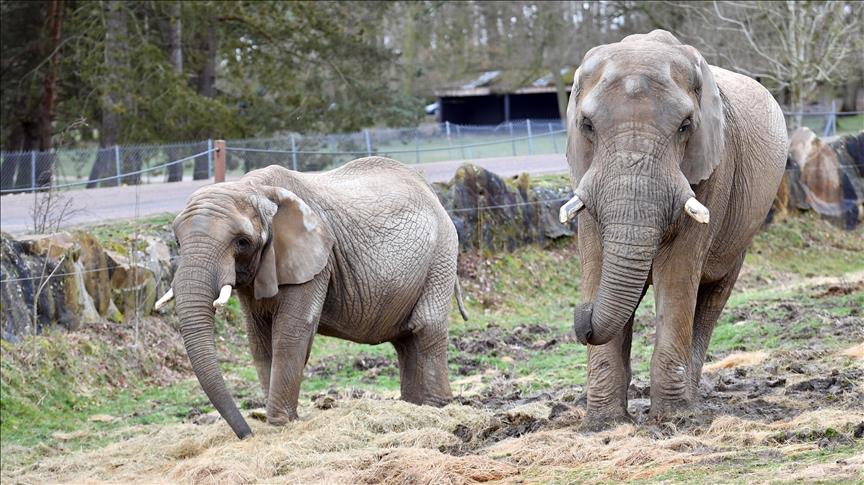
x: 634, y: 161
x: 364, y: 253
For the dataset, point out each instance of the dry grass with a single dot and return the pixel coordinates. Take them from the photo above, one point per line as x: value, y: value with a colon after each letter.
x: 739, y: 359
x: 856, y: 352
x: 389, y: 441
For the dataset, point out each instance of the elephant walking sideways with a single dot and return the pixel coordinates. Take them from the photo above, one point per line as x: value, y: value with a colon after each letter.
x: 654, y: 135
x: 364, y: 252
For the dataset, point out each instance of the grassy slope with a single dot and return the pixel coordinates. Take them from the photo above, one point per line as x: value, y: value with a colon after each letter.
x: 529, y: 287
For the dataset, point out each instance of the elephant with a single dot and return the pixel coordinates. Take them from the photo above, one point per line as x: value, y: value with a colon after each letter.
x: 364, y: 252
x: 674, y: 165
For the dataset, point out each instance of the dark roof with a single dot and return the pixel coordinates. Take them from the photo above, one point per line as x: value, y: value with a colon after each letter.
x: 514, y: 81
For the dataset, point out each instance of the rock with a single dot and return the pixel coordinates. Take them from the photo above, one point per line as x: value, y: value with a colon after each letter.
x: 206, y: 419
x: 41, y: 269
x: 325, y: 402
x: 133, y: 285
x: 826, y: 175
x: 96, y: 281
x: 259, y: 414
x: 491, y: 214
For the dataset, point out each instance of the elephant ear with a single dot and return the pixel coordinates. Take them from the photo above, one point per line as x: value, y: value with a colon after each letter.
x: 579, y: 149
x: 299, y: 246
x: 705, y: 146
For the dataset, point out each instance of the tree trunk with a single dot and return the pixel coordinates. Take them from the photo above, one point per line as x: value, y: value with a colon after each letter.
x: 44, y: 162
x: 175, y: 53
x: 112, y: 97
x: 561, y: 94
x: 206, y: 81
x: 409, y: 47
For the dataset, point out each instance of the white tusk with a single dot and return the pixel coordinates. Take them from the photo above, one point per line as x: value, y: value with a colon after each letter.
x: 697, y: 211
x: 168, y: 296
x: 570, y: 209
x: 224, y: 294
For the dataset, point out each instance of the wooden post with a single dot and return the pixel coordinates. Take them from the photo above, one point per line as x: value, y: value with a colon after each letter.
x: 219, y: 162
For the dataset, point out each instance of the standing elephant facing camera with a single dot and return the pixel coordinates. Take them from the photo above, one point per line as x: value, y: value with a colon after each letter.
x: 365, y: 253
x: 674, y: 164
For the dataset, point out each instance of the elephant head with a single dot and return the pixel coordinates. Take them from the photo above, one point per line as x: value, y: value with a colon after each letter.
x: 239, y: 235
x: 645, y: 122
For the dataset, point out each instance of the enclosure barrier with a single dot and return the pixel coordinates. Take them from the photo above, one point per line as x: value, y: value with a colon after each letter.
x: 24, y: 172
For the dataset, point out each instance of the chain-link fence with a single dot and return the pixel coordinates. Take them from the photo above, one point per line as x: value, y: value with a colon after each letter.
x: 105, y: 167
x: 827, y: 123
x: 425, y: 144
x: 147, y: 164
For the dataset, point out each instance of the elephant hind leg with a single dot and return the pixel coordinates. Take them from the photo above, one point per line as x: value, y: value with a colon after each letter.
x: 422, y: 350
x: 423, y: 368
x: 709, y: 305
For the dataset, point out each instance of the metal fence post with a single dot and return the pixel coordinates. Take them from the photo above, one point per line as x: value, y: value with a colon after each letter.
x: 552, y: 136
x: 461, y: 141
x: 512, y: 141
x: 209, y: 158
x: 831, y: 121
x: 368, y: 143
x: 117, y: 161
x: 33, y: 171
x: 219, y: 169
x: 293, y: 153
x: 449, y: 142
x: 530, y: 146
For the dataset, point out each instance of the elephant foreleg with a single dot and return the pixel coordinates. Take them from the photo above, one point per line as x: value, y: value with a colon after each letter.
x: 294, y: 327
x: 608, y: 379
x: 675, y: 288
x: 260, y: 345
x: 709, y: 305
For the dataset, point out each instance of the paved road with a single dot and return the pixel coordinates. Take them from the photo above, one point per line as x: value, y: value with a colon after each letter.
x: 115, y: 203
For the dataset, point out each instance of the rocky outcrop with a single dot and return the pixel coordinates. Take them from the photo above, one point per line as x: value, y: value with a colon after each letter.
x: 825, y: 175
x: 493, y: 214
x: 73, y: 280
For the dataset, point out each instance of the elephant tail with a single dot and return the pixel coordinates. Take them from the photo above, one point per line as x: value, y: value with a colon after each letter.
x: 459, y: 300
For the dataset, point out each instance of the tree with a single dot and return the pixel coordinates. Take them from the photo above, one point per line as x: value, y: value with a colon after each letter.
x: 793, y: 47
x: 798, y: 46
x: 29, y: 89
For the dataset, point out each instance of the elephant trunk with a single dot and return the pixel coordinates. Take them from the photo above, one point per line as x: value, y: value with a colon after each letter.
x: 631, y: 225
x: 195, y: 290
x: 623, y: 275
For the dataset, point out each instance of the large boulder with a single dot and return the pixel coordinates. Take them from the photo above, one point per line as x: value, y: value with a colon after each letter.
x: 493, y: 214
x: 45, y: 270
x: 825, y: 175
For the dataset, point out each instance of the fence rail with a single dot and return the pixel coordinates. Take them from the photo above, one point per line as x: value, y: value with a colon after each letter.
x: 145, y: 164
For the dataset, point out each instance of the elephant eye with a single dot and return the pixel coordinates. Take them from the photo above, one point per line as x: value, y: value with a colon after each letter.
x: 243, y: 244
x: 586, y: 124
x: 684, y: 125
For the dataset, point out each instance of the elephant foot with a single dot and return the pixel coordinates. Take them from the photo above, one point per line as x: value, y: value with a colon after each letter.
x: 681, y: 414
x: 436, y: 401
x: 281, y: 419
x: 595, y: 421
